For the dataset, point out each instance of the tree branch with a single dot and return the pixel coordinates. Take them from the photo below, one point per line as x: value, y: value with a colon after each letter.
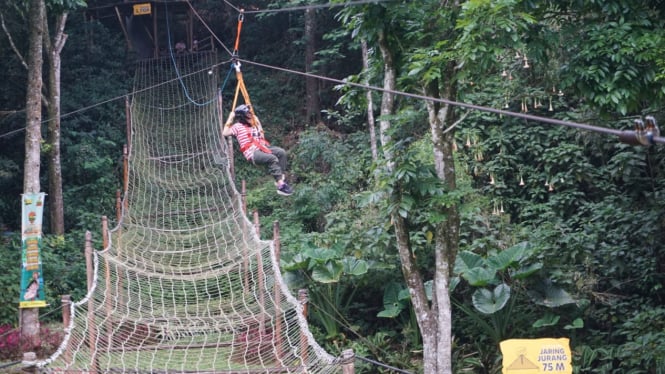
x: 11, y: 41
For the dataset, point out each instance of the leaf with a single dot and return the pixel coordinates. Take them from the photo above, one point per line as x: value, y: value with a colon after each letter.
x: 330, y: 272
x: 508, y: 257
x: 320, y: 254
x: 391, y: 312
x: 467, y: 260
x: 354, y: 266
x: 578, y: 323
x: 479, y: 276
x: 525, y: 272
x: 393, y: 300
x: 454, y: 281
x: 548, y: 295
x: 548, y: 320
x: 490, y: 302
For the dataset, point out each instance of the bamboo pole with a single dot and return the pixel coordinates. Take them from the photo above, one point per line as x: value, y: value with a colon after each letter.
x: 128, y: 120
x: 125, y: 172
x: 107, y: 283
x: 245, y: 257
x: 261, y: 277
x: 304, y: 299
x: 66, y: 302
x: 118, y: 205
x: 92, y: 332
x: 278, y: 294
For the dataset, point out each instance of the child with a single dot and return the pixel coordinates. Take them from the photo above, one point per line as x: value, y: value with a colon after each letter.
x: 246, y: 127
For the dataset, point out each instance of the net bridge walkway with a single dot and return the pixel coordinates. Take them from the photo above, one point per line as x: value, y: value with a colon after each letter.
x: 184, y: 284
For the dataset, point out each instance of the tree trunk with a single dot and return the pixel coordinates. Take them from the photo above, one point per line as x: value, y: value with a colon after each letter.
x: 447, y: 232
x: 388, y: 96
x: 370, y: 104
x: 30, y: 316
x: 312, y: 105
x: 53, y: 49
x: 429, y: 321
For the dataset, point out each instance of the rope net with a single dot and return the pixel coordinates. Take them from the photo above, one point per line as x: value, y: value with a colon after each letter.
x: 185, y: 284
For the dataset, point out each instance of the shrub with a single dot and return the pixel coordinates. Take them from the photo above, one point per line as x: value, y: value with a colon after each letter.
x: 12, y: 349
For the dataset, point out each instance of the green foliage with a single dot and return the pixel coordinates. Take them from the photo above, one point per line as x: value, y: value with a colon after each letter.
x: 10, y: 278
x: 325, y: 267
x: 614, y: 69
x: 64, y: 273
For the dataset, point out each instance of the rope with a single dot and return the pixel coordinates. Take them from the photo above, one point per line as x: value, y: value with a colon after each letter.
x: 175, y: 64
x: 241, y: 18
x: 382, y: 365
x: 10, y: 364
x: 598, y: 129
x: 554, y: 121
x: 318, y: 6
x: 241, y: 82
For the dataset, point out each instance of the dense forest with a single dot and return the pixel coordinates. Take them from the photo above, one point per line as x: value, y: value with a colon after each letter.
x: 415, y: 145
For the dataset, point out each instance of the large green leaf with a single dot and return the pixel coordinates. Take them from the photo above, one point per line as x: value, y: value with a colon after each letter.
x: 578, y: 323
x: 467, y: 260
x: 390, y: 312
x: 525, y: 272
x: 490, y: 302
x: 550, y: 295
x: 320, y: 254
x: 548, y: 320
x: 508, y: 257
x: 354, y: 266
x: 479, y: 277
x: 393, y: 302
x: 330, y: 272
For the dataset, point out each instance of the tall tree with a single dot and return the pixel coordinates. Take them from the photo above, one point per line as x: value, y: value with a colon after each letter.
x: 419, y: 51
x: 434, y: 316
x: 371, y: 123
x: 312, y: 104
x: 33, y: 138
x: 53, y: 49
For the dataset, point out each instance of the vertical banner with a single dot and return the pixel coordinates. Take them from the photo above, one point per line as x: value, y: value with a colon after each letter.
x: 32, y: 283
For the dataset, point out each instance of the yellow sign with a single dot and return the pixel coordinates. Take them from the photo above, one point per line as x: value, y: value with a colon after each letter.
x: 140, y: 9
x: 526, y: 356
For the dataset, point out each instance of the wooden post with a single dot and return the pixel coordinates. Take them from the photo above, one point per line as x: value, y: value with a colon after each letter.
x: 261, y: 277
x: 28, y: 362
x: 118, y: 205
x: 66, y: 302
x: 245, y: 257
x: 125, y: 172
x: 107, y: 283
x: 128, y: 120
x: 278, y: 295
x: 243, y: 196
x: 304, y: 299
x: 348, y: 358
x: 92, y: 332
x: 232, y: 167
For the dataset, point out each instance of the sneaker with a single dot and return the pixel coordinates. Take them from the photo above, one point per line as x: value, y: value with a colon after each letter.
x: 284, y: 189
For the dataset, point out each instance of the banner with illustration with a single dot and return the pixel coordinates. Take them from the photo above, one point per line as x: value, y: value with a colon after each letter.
x: 32, y: 283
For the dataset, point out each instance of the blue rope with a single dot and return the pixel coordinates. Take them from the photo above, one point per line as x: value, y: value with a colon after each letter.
x: 175, y: 65
x: 226, y: 79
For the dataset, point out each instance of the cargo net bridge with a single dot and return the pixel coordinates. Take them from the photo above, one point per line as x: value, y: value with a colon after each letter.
x: 184, y: 284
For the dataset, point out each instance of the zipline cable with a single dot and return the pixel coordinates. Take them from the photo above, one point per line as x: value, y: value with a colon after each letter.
x: 624, y: 135
x: 627, y: 136
x: 316, y: 6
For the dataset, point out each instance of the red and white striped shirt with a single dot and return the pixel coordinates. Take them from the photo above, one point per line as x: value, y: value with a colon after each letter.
x: 249, y: 139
